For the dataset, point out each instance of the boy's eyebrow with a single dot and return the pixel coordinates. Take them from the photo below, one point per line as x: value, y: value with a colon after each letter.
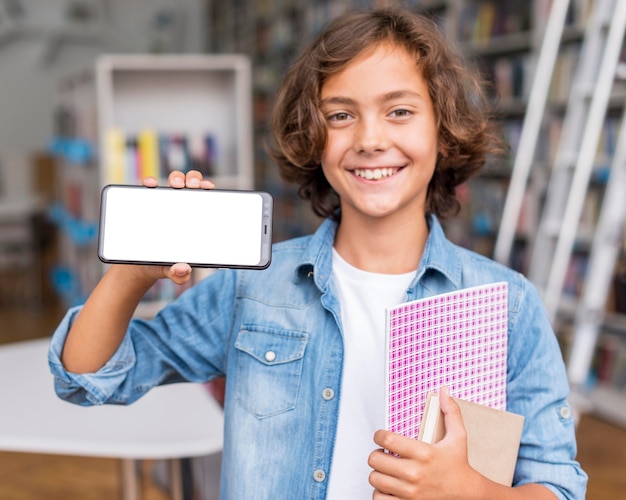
x: 398, y: 94
x: 338, y: 100
x: 390, y: 96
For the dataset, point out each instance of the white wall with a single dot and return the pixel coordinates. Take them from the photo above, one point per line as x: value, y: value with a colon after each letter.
x: 29, y: 81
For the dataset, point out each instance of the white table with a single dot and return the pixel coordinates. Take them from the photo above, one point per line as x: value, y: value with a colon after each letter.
x: 170, y: 422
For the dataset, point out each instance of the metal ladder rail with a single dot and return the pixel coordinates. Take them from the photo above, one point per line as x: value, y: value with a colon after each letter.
x: 585, y: 162
x: 603, y: 258
x: 578, y: 109
x: 530, y: 130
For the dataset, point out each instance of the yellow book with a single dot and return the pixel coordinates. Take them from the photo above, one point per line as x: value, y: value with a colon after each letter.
x: 115, y: 159
x: 484, y: 22
x: 148, y: 150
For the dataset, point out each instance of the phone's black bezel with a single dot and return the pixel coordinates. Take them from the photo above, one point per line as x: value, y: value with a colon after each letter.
x: 266, y: 244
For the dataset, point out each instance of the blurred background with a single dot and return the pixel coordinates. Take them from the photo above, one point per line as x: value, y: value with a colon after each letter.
x: 106, y: 91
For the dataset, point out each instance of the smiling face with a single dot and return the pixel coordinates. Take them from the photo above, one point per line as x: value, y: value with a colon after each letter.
x: 381, y: 148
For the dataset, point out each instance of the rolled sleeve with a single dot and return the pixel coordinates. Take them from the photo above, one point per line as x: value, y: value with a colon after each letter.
x: 88, y: 388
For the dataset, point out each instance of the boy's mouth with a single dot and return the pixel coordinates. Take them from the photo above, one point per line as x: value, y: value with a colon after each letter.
x: 375, y: 173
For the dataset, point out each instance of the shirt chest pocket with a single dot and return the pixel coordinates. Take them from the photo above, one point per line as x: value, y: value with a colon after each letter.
x: 269, y: 366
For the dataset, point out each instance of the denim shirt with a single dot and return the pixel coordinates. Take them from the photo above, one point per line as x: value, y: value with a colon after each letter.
x: 276, y: 335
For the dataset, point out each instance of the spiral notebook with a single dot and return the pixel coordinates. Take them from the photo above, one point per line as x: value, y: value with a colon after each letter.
x: 458, y: 339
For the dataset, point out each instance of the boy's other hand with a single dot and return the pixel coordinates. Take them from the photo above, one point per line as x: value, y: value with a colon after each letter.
x: 415, y: 469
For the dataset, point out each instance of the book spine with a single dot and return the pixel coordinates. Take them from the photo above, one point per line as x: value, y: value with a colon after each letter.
x: 148, y: 150
x: 115, y: 156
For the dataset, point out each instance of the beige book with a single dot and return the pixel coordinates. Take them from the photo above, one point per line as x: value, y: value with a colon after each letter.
x: 493, y: 436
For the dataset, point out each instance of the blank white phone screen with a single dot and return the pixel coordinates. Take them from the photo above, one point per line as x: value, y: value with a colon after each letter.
x: 174, y: 225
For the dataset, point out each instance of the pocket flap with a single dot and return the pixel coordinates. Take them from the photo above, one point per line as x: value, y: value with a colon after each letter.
x: 272, y: 347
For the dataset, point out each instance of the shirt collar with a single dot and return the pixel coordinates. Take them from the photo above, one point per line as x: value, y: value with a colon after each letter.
x: 440, y: 255
x: 317, y: 258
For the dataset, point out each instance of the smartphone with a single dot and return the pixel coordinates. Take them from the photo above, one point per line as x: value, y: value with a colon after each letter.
x: 204, y: 228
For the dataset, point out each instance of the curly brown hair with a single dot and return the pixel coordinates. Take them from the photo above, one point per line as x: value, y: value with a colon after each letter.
x: 466, y: 134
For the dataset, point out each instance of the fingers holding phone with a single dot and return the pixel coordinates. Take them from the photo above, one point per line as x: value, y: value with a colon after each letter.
x: 178, y: 179
x: 192, y: 179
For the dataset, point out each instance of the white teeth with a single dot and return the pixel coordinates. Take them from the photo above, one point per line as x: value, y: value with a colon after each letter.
x: 376, y: 173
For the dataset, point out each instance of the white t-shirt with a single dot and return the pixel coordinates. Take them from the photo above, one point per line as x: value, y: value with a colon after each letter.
x: 363, y: 298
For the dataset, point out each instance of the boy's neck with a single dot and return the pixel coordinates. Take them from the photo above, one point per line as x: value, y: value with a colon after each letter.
x: 382, y: 246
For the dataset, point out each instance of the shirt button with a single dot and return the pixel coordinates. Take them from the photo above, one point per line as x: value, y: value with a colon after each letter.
x: 319, y: 475
x: 270, y: 356
x: 328, y: 394
x: 565, y: 412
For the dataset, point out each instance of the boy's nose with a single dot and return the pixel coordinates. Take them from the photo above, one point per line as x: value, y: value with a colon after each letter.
x: 370, y: 136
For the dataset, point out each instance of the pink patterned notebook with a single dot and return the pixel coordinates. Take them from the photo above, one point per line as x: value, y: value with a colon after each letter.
x: 458, y: 339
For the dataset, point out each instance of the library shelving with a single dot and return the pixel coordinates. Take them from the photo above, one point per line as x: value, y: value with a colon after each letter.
x: 503, y: 40
x: 164, y: 112
x: 139, y: 115
x: 605, y: 389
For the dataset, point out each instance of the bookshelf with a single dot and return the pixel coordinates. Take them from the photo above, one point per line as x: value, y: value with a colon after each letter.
x: 605, y: 389
x: 503, y: 40
x: 141, y: 115
x: 192, y: 110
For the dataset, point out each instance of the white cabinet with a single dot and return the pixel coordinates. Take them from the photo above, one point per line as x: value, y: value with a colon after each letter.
x: 197, y: 107
x: 134, y: 115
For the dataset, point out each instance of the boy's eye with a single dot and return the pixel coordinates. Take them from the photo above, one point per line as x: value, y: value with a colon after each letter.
x: 338, y: 117
x: 400, y: 113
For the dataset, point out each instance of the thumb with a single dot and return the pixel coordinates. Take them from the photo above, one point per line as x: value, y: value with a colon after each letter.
x: 452, y: 415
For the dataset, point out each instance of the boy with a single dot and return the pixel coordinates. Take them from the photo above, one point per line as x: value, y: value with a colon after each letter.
x: 378, y: 123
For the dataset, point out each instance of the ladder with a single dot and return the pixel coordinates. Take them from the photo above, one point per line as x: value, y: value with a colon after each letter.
x: 569, y: 180
x: 605, y: 250
x: 530, y: 130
